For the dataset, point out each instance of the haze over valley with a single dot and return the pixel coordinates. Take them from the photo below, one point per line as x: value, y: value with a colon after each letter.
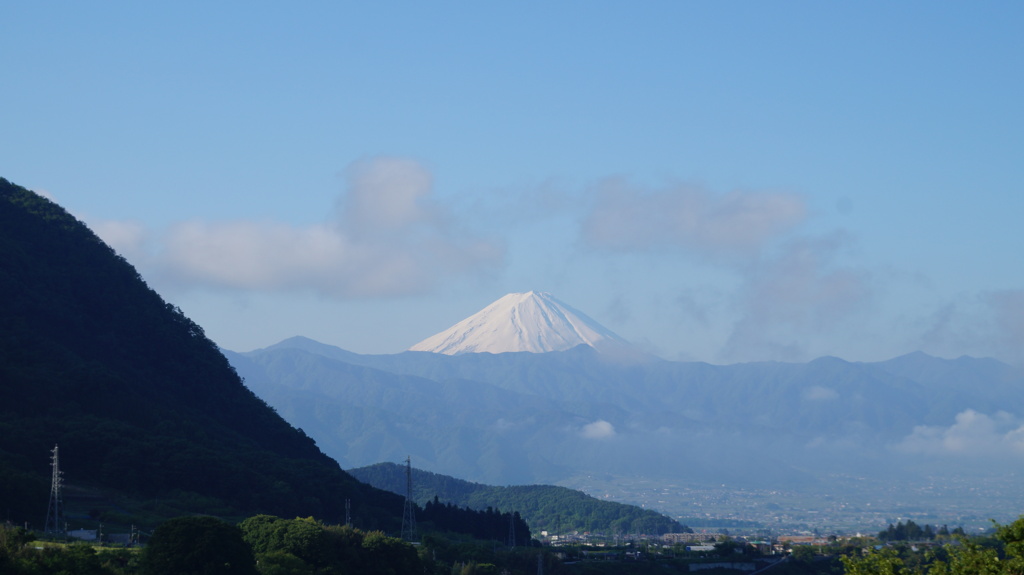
x: 828, y: 443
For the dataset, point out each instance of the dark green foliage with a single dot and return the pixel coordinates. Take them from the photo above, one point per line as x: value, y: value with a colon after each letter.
x: 913, y: 532
x: 18, y: 557
x: 385, y: 555
x: 120, y: 560
x: 197, y: 546
x: 307, y: 546
x: 543, y: 507
x: 487, y: 524
x: 1002, y: 555
x: 304, y: 539
x: 141, y: 402
x: 12, y: 542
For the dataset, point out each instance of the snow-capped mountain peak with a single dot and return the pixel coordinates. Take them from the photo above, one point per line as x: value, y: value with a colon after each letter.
x: 532, y: 321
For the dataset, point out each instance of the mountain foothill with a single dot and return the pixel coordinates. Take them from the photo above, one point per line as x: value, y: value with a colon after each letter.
x: 150, y: 418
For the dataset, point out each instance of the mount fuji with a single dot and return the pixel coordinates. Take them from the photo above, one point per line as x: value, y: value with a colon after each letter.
x: 533, y: 322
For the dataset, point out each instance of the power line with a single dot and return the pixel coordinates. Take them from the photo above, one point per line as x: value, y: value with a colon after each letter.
x: 409, y: 514
x: 55, y: 510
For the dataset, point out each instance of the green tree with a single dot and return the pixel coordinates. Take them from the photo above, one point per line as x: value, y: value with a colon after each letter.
x: 961, y: 557
x: 1012, y: 536
x: 803, y: 553
x: 388, y: 555
x: 197, y: 546
x: 305, y: 539
x: 346, y: 544
x: 969, y: 558
x: 12, y: 541
x: 883, y: 561
x: 282, y: 563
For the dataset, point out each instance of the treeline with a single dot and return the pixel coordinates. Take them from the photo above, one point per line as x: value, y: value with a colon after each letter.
x: 267, y: 545
x: 17, y: 557
x: 306, y: 545
x: 911, y: 531
x: 543, y: 507
x: 489, y: 524
x: 999, y: 554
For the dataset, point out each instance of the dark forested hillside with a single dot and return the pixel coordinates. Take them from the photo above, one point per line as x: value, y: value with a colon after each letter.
x: 543, y: 507
x: 141, y: 402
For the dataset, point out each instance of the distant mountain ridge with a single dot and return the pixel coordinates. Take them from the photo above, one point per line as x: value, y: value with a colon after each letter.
x: 559, y: 417
x: 533, y: 322
x: 543, y: 507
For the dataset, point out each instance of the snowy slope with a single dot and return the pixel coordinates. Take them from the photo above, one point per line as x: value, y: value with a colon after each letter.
x: 533, y: 321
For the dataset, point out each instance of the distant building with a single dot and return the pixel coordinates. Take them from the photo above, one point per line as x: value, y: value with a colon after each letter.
x: 84, y: 534
x: 802, y: 540
x: 700, y: 547
x: 690, y: 537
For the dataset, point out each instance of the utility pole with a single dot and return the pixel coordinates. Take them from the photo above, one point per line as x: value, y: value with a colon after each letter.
x: 409, y: 514
x: 55, y: 511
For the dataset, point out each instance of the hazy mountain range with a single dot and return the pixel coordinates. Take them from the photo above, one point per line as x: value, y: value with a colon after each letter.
x: 553, y: 416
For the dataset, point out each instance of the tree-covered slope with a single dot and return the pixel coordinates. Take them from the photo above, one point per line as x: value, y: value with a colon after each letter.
x: 141, y: 402
x: 543, y: 507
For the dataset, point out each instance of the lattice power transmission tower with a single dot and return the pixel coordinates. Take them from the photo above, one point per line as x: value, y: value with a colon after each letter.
x: 409, y: 515
x: 55, y: 511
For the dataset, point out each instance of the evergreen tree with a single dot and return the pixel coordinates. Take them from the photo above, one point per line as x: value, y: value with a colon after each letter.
x: 197, y: 546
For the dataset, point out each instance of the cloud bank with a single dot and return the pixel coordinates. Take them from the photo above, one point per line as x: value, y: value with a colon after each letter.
x: 386, y: 237
x: 788, y: 285
x: 972, y: 434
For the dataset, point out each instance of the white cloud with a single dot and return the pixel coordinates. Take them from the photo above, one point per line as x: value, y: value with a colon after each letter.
x: 972, y: 434
x: 387, y: 196
x: 128, y: 238
x: 689, y: 218
x: 387, y: 237
x: 599, y: 429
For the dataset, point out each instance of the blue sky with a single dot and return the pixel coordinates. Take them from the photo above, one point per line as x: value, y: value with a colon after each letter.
x: 715, y: 181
